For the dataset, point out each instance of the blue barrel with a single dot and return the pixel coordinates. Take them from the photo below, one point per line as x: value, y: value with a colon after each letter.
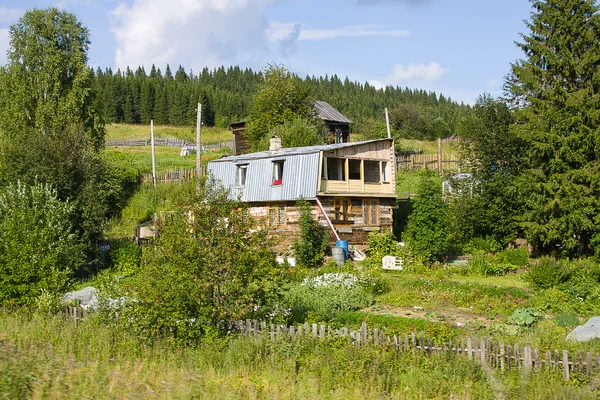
x: 343, y: 244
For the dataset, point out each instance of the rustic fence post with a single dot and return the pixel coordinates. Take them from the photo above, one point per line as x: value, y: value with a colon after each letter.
x: 538, y: 360
x: 255, y: 328
x: 314, y: 330
x: 322, y: 332
x: 527, y: 358
x: 375, y: 336
x: 588, y: 363
x: 469, y: 348
x: 565, y: 363
x: 363, y: 336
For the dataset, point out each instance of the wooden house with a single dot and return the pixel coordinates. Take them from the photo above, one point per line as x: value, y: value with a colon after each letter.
x: 336, y: 128
x: 351, y: 186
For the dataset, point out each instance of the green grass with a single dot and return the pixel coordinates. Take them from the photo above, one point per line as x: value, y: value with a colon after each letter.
x: 46, y: 357
x: 139, y: 158
x: 436, y: 294
x: 209, y: 134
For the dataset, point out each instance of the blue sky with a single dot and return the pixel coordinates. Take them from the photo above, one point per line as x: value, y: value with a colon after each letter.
x: 460, y: 48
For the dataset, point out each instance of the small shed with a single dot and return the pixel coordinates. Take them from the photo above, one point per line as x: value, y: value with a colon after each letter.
x: 337, y: 125
x: 240, y: 142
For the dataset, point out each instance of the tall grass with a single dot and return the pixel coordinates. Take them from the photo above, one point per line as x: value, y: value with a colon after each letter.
x: 47, y: 357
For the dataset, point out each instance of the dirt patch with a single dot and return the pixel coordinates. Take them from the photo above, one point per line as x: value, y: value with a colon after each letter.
x: 455, y: 316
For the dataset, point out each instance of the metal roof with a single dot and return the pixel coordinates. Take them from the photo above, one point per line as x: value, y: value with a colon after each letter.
x: 292, y: 151
x: 328, y: 113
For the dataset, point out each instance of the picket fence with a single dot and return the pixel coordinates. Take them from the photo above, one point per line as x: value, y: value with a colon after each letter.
x: 484, y: 350
x: 169, y: 142
x: 411, y: 162
x: 171, y: 175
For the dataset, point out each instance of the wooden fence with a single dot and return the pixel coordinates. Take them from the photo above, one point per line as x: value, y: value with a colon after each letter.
x: 450, y: 162
x: 484, y: 350
x: 172, y: 175
x: 495, y: 354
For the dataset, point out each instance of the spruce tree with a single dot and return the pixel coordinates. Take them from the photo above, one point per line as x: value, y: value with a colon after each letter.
x: 555, y: 92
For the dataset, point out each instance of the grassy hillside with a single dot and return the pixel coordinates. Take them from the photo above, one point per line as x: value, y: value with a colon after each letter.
x: 209, y: 135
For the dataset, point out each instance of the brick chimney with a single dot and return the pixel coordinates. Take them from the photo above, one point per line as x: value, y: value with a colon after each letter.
x: 275, y: 143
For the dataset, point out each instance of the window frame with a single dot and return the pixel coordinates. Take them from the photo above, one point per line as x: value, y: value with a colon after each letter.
x: 277, y: 172
x: 238, y: 175
x: 276, y: 215
x: 342, y: 209
x: 370, y: 212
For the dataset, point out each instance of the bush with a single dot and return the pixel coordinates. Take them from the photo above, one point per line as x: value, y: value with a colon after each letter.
x: 525, y: 317
x: 125, y: 256
x: 518, y: 257
x: 208, y: 265
x: 426, y: 230
x: 326, y: 295
x: 38, y: 250
x: 486, y: 265
x: 545, y: 273
x: 310, y: 249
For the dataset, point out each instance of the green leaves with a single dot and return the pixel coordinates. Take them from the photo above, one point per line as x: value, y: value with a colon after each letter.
x: 38, y: 251
x: 555, y: 92
x: 310, y: 249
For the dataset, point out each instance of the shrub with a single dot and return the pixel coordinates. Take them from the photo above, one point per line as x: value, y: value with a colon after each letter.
x: 546, y: 273
x: 310, y: 249
x: 38, y: 249
x: 426, y: 230
x: 326, y: 295
x: 517, y: 257
x: 488, y: 266
x: 209, y: 264
x: 125, y: 256
x: 525, y: 317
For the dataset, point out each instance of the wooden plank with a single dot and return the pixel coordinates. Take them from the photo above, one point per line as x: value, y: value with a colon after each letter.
x: 363, y: 336
x: 517, y: 354
x: 272, y: 331
x: 508, y: 357
x: 414, y: 340
x: 322, y: 332
x: 469, y: 348
x: 548, y: 360
x: 255, y: 328
x: 588, y: 363
x: 314, y: 330
x: 527, y: 358
x: 375, y: 336
x: 556, y: 359
x: 537, y: 359
x: 565, y: 364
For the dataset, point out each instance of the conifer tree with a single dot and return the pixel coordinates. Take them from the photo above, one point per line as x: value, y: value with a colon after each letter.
x: 555, y: 90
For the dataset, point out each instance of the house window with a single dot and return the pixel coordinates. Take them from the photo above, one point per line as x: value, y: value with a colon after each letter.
x: 354, y: 167
x: 384, y: 172
x: 370, y: 212
x: 342, y: 209
x: 240, y: 175
x: 277, y: 172
x: 276, y: 214
x: 336, y: 169
x: 372, y: 172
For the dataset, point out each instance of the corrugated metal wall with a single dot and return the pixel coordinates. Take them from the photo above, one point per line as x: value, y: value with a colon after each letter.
x: 300, y: 178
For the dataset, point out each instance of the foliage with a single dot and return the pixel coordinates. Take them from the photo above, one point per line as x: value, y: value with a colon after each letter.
x: 546, y: 272
x: 52, y: 132
x: 394, y: 325
x: 209, y: 264
x: 525, y: 316
x: 310, y: 249
x: 554, y: 91
x: 46, y: 84
x: 326, y: 295
x: 409, y: 291
x: 518, y: 257
x: 125, y: 256
x: 490, y: 266
x: 567, y: 320
x: 280, y: 97
x: 297, y: 132
x: 38, y: 251
x: 426, y: 231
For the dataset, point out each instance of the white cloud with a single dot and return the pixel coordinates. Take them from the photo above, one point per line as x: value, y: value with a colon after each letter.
x: 281, y: 31
x: 4, y: 42
x: 413, y: 74
x: 194, y: 33
x: 10, y: 15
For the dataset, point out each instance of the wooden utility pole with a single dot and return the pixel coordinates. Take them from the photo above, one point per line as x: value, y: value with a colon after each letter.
x: 153, y: 157
x: 198, y: 147
x: 440, y: 168
x: 387, y: 123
